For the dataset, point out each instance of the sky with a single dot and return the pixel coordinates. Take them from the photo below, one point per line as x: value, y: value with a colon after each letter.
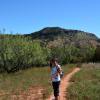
x: 26, y: 16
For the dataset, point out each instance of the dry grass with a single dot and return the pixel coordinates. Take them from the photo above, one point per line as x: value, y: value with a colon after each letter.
x: 28, y: 84
x: 91, y: 65
x: 85, y: 84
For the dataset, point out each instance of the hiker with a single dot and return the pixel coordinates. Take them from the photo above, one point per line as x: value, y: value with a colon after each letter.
x: 55, y: 77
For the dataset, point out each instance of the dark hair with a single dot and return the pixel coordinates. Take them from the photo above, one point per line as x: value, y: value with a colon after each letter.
x: 53, y: 60
x: 50, y: 64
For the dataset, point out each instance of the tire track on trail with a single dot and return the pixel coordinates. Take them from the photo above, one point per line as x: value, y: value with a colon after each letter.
x: 64, y: 84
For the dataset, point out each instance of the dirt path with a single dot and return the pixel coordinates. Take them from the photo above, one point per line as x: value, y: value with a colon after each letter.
x: 64, y: 84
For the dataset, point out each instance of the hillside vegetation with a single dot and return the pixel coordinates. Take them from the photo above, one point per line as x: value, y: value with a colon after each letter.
x: 36, y: 49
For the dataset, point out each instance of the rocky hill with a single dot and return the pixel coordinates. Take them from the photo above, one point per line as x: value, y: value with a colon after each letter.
x: 56, y: 36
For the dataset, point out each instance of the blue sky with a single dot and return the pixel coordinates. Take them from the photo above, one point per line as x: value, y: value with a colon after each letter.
x: 26, y: 16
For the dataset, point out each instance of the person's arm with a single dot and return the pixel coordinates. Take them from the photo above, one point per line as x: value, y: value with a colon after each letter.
x: 59, y: 70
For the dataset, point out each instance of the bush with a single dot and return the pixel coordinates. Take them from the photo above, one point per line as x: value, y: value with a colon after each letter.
x: 20, y: 53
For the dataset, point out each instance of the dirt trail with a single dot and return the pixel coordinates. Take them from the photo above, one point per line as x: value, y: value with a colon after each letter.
x: 64, y: 84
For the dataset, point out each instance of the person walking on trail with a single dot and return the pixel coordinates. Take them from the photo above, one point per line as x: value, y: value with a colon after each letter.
x: 55, y: 77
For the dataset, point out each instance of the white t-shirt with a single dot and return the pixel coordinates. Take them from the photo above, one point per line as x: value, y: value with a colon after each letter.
x: 54, y: 76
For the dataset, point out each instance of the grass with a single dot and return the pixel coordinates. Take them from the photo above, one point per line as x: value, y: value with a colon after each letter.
x: 85, y: 85
x: 22, y: 81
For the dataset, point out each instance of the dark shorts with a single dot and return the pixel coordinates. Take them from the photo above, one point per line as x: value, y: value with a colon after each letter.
x: 56, y: 88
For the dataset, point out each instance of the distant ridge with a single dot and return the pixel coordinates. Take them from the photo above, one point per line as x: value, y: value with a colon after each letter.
x: 52, y: 35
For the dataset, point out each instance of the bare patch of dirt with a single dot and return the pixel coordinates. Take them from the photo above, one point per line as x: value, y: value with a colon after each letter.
x: 33, y: 93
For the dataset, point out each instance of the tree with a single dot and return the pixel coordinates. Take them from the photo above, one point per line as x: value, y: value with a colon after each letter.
x: 97, y: 54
